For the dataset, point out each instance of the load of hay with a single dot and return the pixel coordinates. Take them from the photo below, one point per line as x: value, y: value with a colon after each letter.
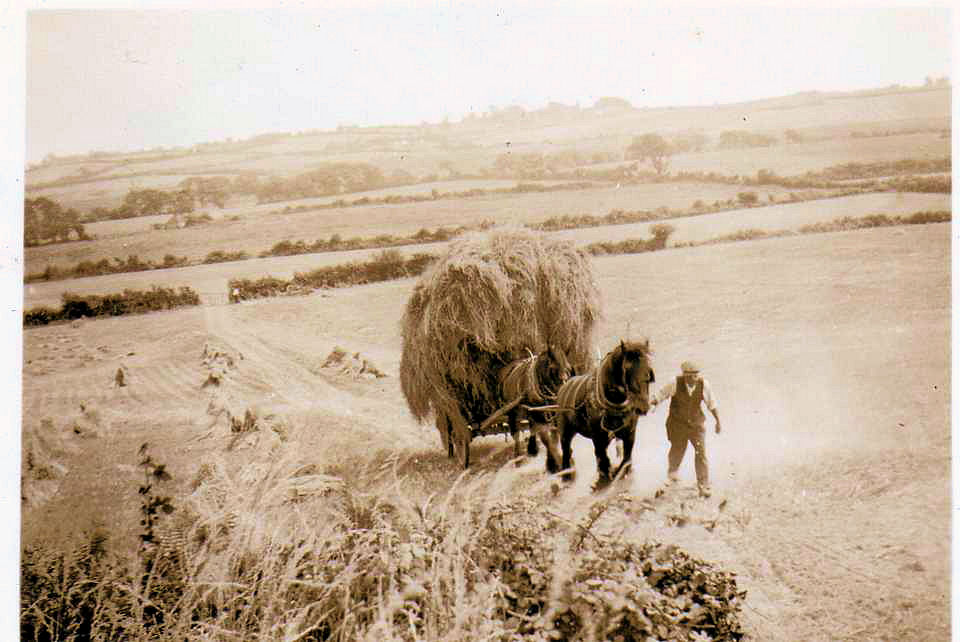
x: 492, y: 298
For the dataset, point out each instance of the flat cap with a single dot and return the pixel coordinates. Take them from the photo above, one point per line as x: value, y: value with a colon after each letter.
x: 689, y: 366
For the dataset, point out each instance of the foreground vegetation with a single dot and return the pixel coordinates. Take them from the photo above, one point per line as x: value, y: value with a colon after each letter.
x: 325, y: 558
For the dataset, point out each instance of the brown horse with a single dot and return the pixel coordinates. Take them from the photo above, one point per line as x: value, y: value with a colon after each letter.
x: 604, y: 405
x: 535, y: 380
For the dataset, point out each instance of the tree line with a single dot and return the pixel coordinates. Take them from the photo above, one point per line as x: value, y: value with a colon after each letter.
x: 657, y: 149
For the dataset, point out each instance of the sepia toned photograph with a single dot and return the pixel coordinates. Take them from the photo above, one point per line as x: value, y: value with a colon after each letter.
x: 442, y: 321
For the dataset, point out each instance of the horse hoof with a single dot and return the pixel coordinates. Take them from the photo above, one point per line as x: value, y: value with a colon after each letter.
x: 600, y: 484
x: 532, y: 448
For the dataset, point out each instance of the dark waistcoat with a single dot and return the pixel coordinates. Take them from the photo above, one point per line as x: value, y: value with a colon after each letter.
x: 685, y: 407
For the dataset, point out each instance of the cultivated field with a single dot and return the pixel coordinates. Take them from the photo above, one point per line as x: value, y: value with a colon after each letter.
x: 260, y: 230
x: 210, y: 281
x: 834, y: 461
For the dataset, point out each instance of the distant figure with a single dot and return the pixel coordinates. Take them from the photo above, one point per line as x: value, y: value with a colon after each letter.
x: 120, y: 379
x: 685, y: 422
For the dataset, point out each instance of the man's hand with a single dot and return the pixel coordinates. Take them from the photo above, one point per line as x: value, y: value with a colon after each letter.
x: 717, y: 429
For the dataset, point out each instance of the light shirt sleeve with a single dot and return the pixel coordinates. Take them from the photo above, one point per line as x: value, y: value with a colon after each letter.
x: 708, y: 395
x: 667, y: 391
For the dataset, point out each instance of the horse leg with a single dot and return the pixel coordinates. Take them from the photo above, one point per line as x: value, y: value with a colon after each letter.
x: 513, y: 421
x: 533, y: 449
x: 460, y: 437
x: 601, y: 441
x: 535, y: 420
x: 444, y: 428
x: 567, y: 430
x: 626, y: 463
x: 548, y: 436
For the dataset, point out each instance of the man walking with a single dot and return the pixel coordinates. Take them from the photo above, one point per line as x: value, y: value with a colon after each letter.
x: 685, y: 422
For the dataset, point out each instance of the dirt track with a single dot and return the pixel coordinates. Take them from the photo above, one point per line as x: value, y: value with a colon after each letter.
x: 829, y: 355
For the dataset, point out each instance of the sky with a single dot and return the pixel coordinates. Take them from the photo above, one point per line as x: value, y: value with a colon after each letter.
x: 123, y: 80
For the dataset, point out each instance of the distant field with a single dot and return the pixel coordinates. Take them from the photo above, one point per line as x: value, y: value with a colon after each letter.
x: 254, y: 234
x: 471, y: 145
x: 788, y: 160
x: 106, y: 193
x: 211, y: 280
x: 787, y: 216
x: 799, y: 158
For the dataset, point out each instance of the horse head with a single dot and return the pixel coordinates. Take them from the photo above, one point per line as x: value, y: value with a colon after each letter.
x: 631, y: 366
x: 553, y: 369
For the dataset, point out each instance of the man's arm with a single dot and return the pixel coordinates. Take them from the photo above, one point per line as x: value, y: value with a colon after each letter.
x: 665, y: 393
x: 716, y: 415
x: 711, y: 403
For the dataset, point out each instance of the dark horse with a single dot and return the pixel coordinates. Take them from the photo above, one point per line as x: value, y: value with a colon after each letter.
x: 604, y: 405
x: 535, y: 381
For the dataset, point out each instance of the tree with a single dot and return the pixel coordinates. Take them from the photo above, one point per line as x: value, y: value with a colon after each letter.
x: 45, y: 220
x: 690, y: 141
x: 652, y: 147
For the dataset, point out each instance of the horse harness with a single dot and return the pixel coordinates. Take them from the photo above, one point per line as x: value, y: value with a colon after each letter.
x: 586, y: 390
x: 520, y: 379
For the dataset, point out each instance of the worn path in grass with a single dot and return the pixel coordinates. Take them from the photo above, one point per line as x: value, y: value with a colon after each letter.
x: 829, y: 355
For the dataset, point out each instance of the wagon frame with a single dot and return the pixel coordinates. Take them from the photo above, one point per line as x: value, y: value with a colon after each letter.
x: 456, y: 438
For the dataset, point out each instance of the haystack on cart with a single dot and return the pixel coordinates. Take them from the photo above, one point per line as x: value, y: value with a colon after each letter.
x: 490, y: 299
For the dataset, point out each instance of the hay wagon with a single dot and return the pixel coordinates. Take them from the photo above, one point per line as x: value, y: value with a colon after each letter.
x: 491, y: 298
x: 456, y: 435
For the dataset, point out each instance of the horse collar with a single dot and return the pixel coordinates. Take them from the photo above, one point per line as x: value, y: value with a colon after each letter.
x: 600, y: 399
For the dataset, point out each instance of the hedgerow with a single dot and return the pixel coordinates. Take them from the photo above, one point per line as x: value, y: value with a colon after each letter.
x: 132, y: 263
x: 390, y: 264
x: 385, y: 266
x: 128, y: 302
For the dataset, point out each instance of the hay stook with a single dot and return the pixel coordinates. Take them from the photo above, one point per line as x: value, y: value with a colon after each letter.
x: 489, y: 300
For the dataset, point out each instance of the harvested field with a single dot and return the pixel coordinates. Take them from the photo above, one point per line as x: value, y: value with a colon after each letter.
x: 211, y: 280
x: 833, y: 464
x: 257, y: 233
x: 771, y: 218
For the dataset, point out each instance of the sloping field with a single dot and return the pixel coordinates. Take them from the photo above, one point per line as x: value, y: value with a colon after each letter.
x: 105, y: 229
x: 829, y: 356
x: 772, y: 218
x: 211, y: 280
x: 107, y: 193
x: 799, y: 158
x: 258, y: 233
